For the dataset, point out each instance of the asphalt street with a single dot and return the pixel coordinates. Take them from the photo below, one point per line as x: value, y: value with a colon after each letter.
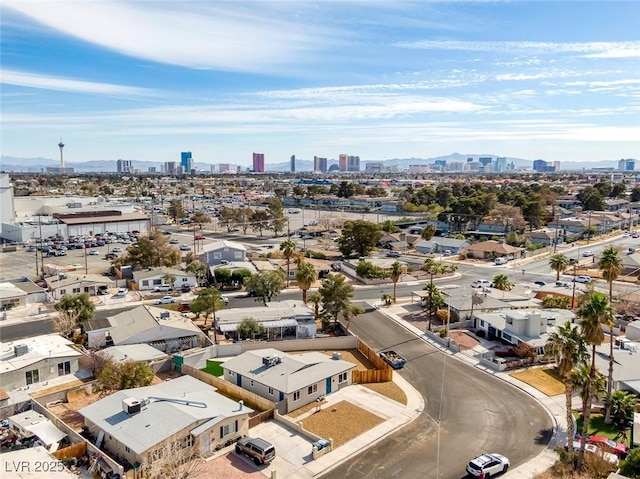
x: 467, y: 412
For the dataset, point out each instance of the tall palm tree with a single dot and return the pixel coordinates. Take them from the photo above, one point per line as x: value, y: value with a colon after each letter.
x: 594, y: 312
x: 501, y: 282
x: 569, y: 349
x: 306, y: 276
x: 559, y: 263
x: 610, y: 265
x: 396, y: 273
x: 591, y: 387
x: 316, y: 299
x: 288, y: 248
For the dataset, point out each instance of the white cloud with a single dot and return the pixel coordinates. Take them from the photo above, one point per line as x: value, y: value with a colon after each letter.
x: 34, y: 80
x: 200, y: 35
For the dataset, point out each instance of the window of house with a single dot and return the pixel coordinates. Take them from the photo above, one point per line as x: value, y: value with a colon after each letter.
x: 237, y: 254
x: 270, y: 391
x: 342, y: 377
x: 184, y: 280
x: 228, y: 429
x: 189, y: 440
x: 217, y: 255
x: 76, y: 290
x: 64, y: 368
x: 63, y: 291
x: 127, y: 449
x: 32, y: 376
x: 231, y: 373
x: 145, y: 282
x: 312, y: 389
x: 157, y: 281
x: 296, y: 395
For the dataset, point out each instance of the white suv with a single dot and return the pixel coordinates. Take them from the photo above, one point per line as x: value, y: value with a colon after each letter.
x: 490, y: 464
x: 481, y: 283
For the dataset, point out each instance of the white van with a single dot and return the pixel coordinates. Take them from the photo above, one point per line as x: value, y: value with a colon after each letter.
x: 500, y: 261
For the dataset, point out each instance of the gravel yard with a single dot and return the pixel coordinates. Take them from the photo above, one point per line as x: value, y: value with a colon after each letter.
x: 342, y: 422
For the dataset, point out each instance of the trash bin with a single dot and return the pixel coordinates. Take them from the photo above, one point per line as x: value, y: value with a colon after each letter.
x: 321, y: 444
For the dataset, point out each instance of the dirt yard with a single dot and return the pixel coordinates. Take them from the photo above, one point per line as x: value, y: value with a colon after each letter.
x: 341, y: 422
x: 546, y: 380
x: 464, y: 339
x: 390, y: 390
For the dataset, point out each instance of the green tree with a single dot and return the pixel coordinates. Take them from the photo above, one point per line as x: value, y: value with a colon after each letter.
x: 501, y: 282
x: 151, y: 251
x: 266, y: 284
x: 623, y: 405
x: 591, y: 199
x: 388, y: 226
x: 228, y: 217
x: 316, y: 300
x: 222, y: 276
x: 73, y: 309
x: 595, y: 311
x: 567, y: 346
x: 610, y: 265
x: 259, y: 221
x: 433, y: 301
x: 336, y: 296
x: 635, y: 194
x: 115, y: 376
x: 176, y: 210
x: 198, y: 269
x: 630, y: 467
x: 396, y: 274
x: 277, y: 218
x: 306, y: 275
x: 428, y: 232
x: 555, y: 302
x: 169, y: 278
x: 289, y: 249
x: 350, y: 313
x: 359, y: 236
x: 200, y: 218
x: 248, y: 328
x: 208, y: 301
x: 559, y: 263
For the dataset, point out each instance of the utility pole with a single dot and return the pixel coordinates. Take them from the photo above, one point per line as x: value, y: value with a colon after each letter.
x: 573, y: 295
x: 589, y: 229
x: 86, y: 263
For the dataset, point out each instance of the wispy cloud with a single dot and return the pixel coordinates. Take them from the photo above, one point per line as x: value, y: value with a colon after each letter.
x: 587, y: 49
x: 200, y: 35
x: 34, y: 80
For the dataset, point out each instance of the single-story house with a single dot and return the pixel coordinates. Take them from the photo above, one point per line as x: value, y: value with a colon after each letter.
x: 223, y: 251
x: 466, y: 303
x: 35, y: 360
x: 279, y: 319
x: 11, y: 296
x: 492, y: 249
x: 630, y: 264
x: 440, y: 245
x: 132, y: 352
x: 167, y: 331
x: 169, y: 421
x: 546, y: 236
x: 35, y: 293
x: 290, y: 380
x: 626, y: 374
x: 150, y: 278
x: 633, y: 330
x: 323, y: 267
x: 76, y: 283
x: 31, y: 423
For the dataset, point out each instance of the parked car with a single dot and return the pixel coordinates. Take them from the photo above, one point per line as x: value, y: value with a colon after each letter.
x: 185, y: 247
x: 393, y: 254
x: 185, y: 288
x: 94, y: 252
x: 257, y: 449
x: 574, y: 260
x: 199, y: 237
x: 173, y: 241
x: 564, y: 284
x: 500, y: 261
x: 121, y: 293
x: 631, y: 250
x: 102, y: 290
x: 588, y: 254
x: 117, y: 249
x: 582, y: 279
x: 609, y: 445
x: 540, y: 283
x: 481, y: 283
x: 490, y: 464
x: 166, y: 300
x: 162, y: 288
x: 224, y: 299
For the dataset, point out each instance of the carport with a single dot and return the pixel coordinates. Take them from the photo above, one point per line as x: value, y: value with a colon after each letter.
x: 278, y: 326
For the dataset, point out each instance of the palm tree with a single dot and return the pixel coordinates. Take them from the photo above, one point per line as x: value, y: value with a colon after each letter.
x: 591, y: 386
x: 433, y: 300
x: 288, y: 248
x: 559, y: 263
x: 594, y: 312
x: 306, y: 276
x: 611, y: 266
x: 569, y: 349
x: 350, y: 313
x: 396, y: 273
x: 336, y: 296
x: 316, y: 299
x: 501, y: 282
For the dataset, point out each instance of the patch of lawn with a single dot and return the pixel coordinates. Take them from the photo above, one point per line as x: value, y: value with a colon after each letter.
x: 214, y: 368
x: 546, y: 381
x: 597, y: 427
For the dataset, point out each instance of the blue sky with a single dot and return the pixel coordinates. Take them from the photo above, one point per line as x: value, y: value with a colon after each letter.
x: 145, y: 80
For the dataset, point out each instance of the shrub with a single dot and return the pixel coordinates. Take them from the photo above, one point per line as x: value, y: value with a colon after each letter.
x: 630, y: 467
x: 368, y: 270
x: 442, y: 332
x: 442, y: 315
x: 480, y: 333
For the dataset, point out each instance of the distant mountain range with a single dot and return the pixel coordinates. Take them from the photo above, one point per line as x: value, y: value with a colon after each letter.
x: 36, y: 165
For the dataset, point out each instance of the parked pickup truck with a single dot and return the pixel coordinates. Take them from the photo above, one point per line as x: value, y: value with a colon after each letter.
x: 394, y: 359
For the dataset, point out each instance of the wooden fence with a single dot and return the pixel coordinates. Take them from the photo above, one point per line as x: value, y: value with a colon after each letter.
x: 382, y: 374
x: 76, y: 450
x: 260, y: 417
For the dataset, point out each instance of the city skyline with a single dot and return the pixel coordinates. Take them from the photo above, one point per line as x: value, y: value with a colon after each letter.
x: 557, y: 81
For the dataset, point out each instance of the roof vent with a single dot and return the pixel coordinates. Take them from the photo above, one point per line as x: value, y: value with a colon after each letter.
x: 336, y: 355
x: 269, y: 361
x: 131, y: 406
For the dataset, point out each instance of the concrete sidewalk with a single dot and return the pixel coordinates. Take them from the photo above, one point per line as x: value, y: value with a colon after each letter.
x: 555, y: 405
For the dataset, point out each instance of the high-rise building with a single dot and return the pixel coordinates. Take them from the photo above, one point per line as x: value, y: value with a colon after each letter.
x: 343, y: 162
x: 124, y: 166
x: 224, y: 168
x: 485, y: 160
x: 170, y: 167
x: 374, y: 167
x: 152, y: 169
x: 292, y: 166
x: 258, y: 162
x: 500, y: 165
x: 556, y: 165
x: 627, y: 165
x: 186, y: 161
x: 60, y: 170
x: 319, y: 164
x: 542, y: 166
x: 353, y: 163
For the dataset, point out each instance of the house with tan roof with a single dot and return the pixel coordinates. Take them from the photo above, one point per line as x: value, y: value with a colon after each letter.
x: 492, y: 249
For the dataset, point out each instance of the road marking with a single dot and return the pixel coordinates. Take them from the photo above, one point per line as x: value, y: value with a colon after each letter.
x: 413, y: 283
